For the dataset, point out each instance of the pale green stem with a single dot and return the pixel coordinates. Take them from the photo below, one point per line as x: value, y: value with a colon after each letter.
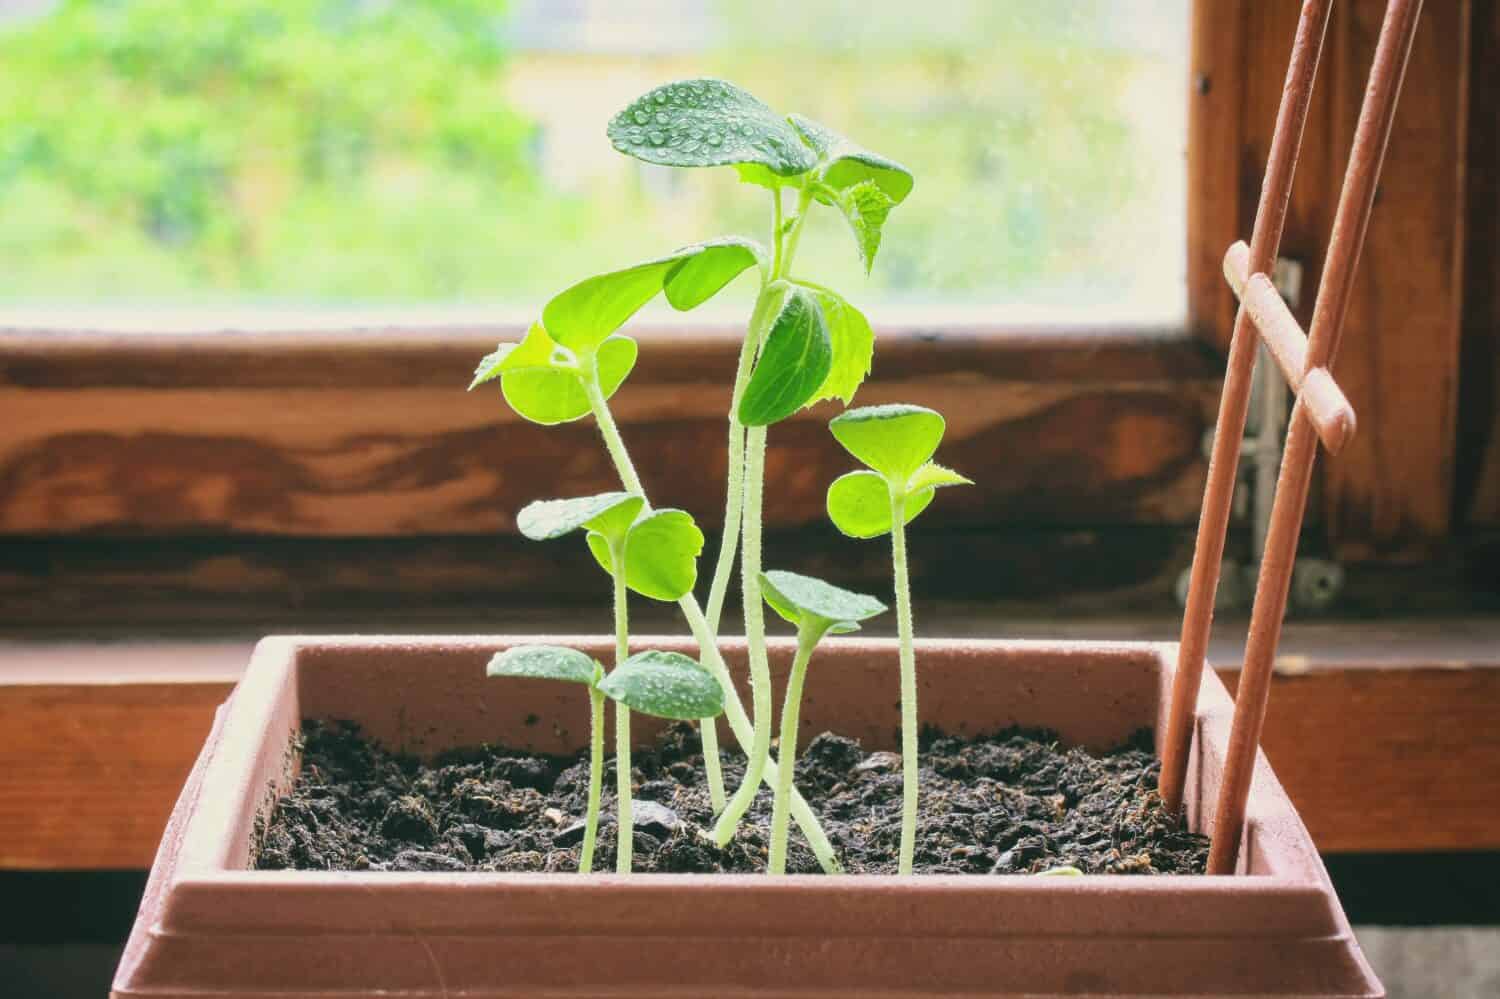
x: 735, y: 492
x: 625, y: 826
x: 789, y: 251
x: 807, y: 639
x: 750, y: 564
x: 755, y: 639
x: 734, y: 710
x: 739, y: 724
x: 613, y: 442
x: 724, y: 569
x: 908, y: 685
x: 596, y: 778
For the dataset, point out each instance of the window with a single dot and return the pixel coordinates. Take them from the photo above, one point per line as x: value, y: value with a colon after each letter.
x: 453, y: 152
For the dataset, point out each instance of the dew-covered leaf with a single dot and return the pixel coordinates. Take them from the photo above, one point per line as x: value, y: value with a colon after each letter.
x: 608, y: 513
x: 859, y: 504
x: 932, y: 476
x: 848, y: 164
x: 865, y: 207
x: 666, y: 685
x: 707, y: 122
x: 704, y: 269
x: 551, y: 395
x: 895, y: 440
x: 661, y: 554
x: 809, y: 602
x: 795, y: 361
x: 546, y: 662
x: 853, y: 343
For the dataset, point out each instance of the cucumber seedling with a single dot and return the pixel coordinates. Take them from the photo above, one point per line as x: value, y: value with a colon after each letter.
x: 816, y: 608
x: 656, y: 555
x: 896, y: 443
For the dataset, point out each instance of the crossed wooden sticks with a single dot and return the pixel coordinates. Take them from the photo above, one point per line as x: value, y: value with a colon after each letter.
x: 1320, y: 412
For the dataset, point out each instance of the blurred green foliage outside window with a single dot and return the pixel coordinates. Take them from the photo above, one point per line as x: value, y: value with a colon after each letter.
x: 452, y: 151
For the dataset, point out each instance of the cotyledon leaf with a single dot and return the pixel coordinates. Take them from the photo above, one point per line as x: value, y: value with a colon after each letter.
x: 703, y: 269
x: 536, y: 350
x: 666, y: 685
x: 809, y: 602
x: 608, y: 513
x: 794, y: 362
x: 661, y: 554
x: 853, y: 343
x: 859, y: 504
x: 546, y: 662
x: 708, y: 122
x: 895, y: 440
x: 556, y: 395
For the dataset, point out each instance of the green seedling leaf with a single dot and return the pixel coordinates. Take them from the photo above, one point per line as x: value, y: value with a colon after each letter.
x: 707, y: 122
x: 754, y: 173
x: 811, y: 603
x: 661, y: 554
x: 894, y: 440
x: 865, y: 207
x: 859, y: 504
x: 934, y: 476
x: 666, y: 685
x: 795, y: 361
x: 1066, y: 871
x: 704, y: 269
x: 853, y: 343
x: 536, y: 350
x: 609, y: 514
x: 847, y: 164
x: 581, y: 317
x: 546, y: 662
x: 555, y: 395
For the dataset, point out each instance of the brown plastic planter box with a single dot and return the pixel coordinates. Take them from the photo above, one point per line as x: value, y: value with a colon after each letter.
x: 210, y: 927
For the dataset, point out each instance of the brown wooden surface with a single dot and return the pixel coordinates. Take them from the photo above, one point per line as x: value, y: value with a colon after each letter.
x: 172, y: 434
x: 1386, y: 736
x: 298, y: 583
x: 1390, y: 495
x: 1478, y: 491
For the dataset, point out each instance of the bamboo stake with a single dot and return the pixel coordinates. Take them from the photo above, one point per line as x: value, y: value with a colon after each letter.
x: 1356, y: 201
x: 1218, y: 495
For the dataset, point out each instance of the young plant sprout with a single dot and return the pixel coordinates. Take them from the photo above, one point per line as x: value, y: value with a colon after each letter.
x: 552, y: 662
x: 804, y: 343
x: 896, y: 443
x: 656, y: 555
x: 816, y: 608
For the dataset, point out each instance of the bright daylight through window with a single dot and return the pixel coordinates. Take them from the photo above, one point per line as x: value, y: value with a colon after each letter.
x: 452, y: 152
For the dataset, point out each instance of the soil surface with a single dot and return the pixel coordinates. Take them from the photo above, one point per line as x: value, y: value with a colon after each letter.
x: 1012, y: 803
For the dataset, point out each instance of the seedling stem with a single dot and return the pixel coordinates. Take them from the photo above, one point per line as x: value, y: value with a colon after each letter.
x: 904, y: 631
x: 807, y: 640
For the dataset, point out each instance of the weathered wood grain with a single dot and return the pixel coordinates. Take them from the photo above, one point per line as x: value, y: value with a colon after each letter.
x: 1478, y: 473
x: 175, y: 435
x: 1216, y: 108
x: 1389, y: 495
x: 1378, y: 754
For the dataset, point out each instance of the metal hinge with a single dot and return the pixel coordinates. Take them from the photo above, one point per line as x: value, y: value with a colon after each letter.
x: 1316, y: 583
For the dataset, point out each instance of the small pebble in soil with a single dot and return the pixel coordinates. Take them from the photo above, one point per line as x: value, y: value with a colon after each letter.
x: 1015, y: 802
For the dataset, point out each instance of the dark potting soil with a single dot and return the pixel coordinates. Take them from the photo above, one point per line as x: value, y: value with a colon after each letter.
x: 1012, y: 803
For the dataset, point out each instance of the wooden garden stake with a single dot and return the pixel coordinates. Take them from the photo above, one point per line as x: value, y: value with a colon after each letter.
x: 1223, y: 463
x: 1356, y: 201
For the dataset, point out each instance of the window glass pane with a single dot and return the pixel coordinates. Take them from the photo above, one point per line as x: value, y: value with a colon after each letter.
x: 453, y: 151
